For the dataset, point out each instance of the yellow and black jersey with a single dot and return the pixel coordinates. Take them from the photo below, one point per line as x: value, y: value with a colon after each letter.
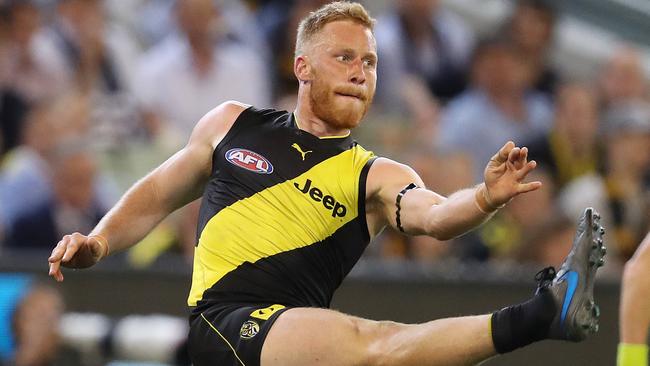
x: 283, y: 215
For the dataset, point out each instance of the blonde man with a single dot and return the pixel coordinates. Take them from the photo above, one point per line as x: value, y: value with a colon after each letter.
x: 290, y: 202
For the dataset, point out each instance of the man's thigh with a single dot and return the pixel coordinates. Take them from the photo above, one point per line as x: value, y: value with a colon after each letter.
x: 312, y: 336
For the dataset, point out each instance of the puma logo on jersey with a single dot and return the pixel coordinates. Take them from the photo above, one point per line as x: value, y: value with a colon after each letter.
x: 329, y: 202
x: 302, y: 153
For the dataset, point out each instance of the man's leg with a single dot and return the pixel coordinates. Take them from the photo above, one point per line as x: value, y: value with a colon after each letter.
x: 635, y: 308
x: 563, y: 308
x: 309, y: 336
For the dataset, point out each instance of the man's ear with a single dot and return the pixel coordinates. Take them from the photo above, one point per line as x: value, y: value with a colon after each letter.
x: 302, y: 69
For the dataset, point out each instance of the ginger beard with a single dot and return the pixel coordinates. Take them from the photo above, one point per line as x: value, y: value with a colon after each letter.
x: 336, y: 110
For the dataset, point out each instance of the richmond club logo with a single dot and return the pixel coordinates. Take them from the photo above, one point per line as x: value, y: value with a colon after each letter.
x: 249, y: 329
x: 249, y: 160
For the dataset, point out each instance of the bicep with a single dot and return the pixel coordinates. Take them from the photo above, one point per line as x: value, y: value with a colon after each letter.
x: 386, y: 179
x: 181, y: 178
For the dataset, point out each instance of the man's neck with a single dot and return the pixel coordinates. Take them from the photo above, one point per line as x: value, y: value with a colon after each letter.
x: 309, y: 122
x: 201, y: 51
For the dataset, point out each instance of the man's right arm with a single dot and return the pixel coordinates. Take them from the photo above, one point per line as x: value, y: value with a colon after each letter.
x: 173, y: 184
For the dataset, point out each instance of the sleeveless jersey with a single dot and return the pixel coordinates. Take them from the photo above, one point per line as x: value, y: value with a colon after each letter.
x: 283, y: 215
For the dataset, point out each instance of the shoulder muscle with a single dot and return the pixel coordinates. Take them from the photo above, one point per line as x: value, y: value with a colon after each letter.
x: 214, y: 126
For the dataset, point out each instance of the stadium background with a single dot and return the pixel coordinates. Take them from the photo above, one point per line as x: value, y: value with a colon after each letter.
x: 96, y: 93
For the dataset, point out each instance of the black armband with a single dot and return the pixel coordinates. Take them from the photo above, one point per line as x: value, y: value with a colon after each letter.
x: 397, y: 203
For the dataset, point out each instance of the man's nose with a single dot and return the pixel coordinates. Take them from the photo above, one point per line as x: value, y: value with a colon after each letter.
x: 356, y: 73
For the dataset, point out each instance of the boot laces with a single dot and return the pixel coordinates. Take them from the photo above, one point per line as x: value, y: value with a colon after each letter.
x: 545, y: 277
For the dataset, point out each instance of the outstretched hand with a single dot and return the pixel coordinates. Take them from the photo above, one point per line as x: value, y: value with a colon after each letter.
x: 76, y: 251
x: 505, y: 174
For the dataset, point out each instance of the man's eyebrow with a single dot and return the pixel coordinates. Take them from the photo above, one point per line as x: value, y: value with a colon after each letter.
x: 367, y: 54
x: 370, y: 56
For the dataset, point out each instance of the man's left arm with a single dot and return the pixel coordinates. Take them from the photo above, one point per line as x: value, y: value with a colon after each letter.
x: 422, y: 211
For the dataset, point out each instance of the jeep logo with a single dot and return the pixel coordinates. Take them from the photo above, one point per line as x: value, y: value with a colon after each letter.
x: 338, y: 210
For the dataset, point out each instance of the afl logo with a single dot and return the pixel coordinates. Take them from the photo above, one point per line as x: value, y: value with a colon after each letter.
x: 249, y: 329
x: 249, y: 160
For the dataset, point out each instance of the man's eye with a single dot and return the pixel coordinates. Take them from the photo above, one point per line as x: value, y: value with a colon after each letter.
x: 369, y: 63
x: 343, y: 58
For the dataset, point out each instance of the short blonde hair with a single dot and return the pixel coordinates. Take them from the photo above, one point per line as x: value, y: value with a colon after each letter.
x: 338, y: 10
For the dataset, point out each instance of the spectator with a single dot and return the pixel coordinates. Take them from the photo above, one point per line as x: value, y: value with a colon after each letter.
x: 26, y: 168
x: 95, y: 58
x: 499, y: 106
x: 35, y: 321
x: 531, y: 29
x: 572, y: 148
x: 36, y: 314
x: 623, y: 78
x: 26, y: 77
x: 27, y: 174
x: 86, y: 49
x: 191, y: 72
x: 72, y: 208
x: 154, y: 21
x: 622, y: 193
x: 420, y: 40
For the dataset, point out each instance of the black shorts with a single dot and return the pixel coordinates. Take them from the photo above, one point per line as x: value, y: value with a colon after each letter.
x: 231, y: 335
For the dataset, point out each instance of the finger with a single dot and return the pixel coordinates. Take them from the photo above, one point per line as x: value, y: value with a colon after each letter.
x: 57, y: 252
x: 524, y: 154
x: 72, y: 247
x: 54, y: 256
x: 502, y: 155
x: 521, y: 160
x: 55, y: 271
x: 57, y: 256
x: 529, y: 187
x: 523, y: 172
x: 54, y: 267
x: 514, y: 155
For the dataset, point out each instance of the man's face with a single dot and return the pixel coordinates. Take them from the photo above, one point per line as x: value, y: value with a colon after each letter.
x: 499, y: 70
x: 197, y: 18
x: 577, y: 113
x: 74, y: 181
x: 532, y: 28
x: 343, y: 59
x: 623, y: 77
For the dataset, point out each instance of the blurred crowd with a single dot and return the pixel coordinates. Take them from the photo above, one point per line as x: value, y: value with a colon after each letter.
x: 36, y: 330
x: 93, y: 94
